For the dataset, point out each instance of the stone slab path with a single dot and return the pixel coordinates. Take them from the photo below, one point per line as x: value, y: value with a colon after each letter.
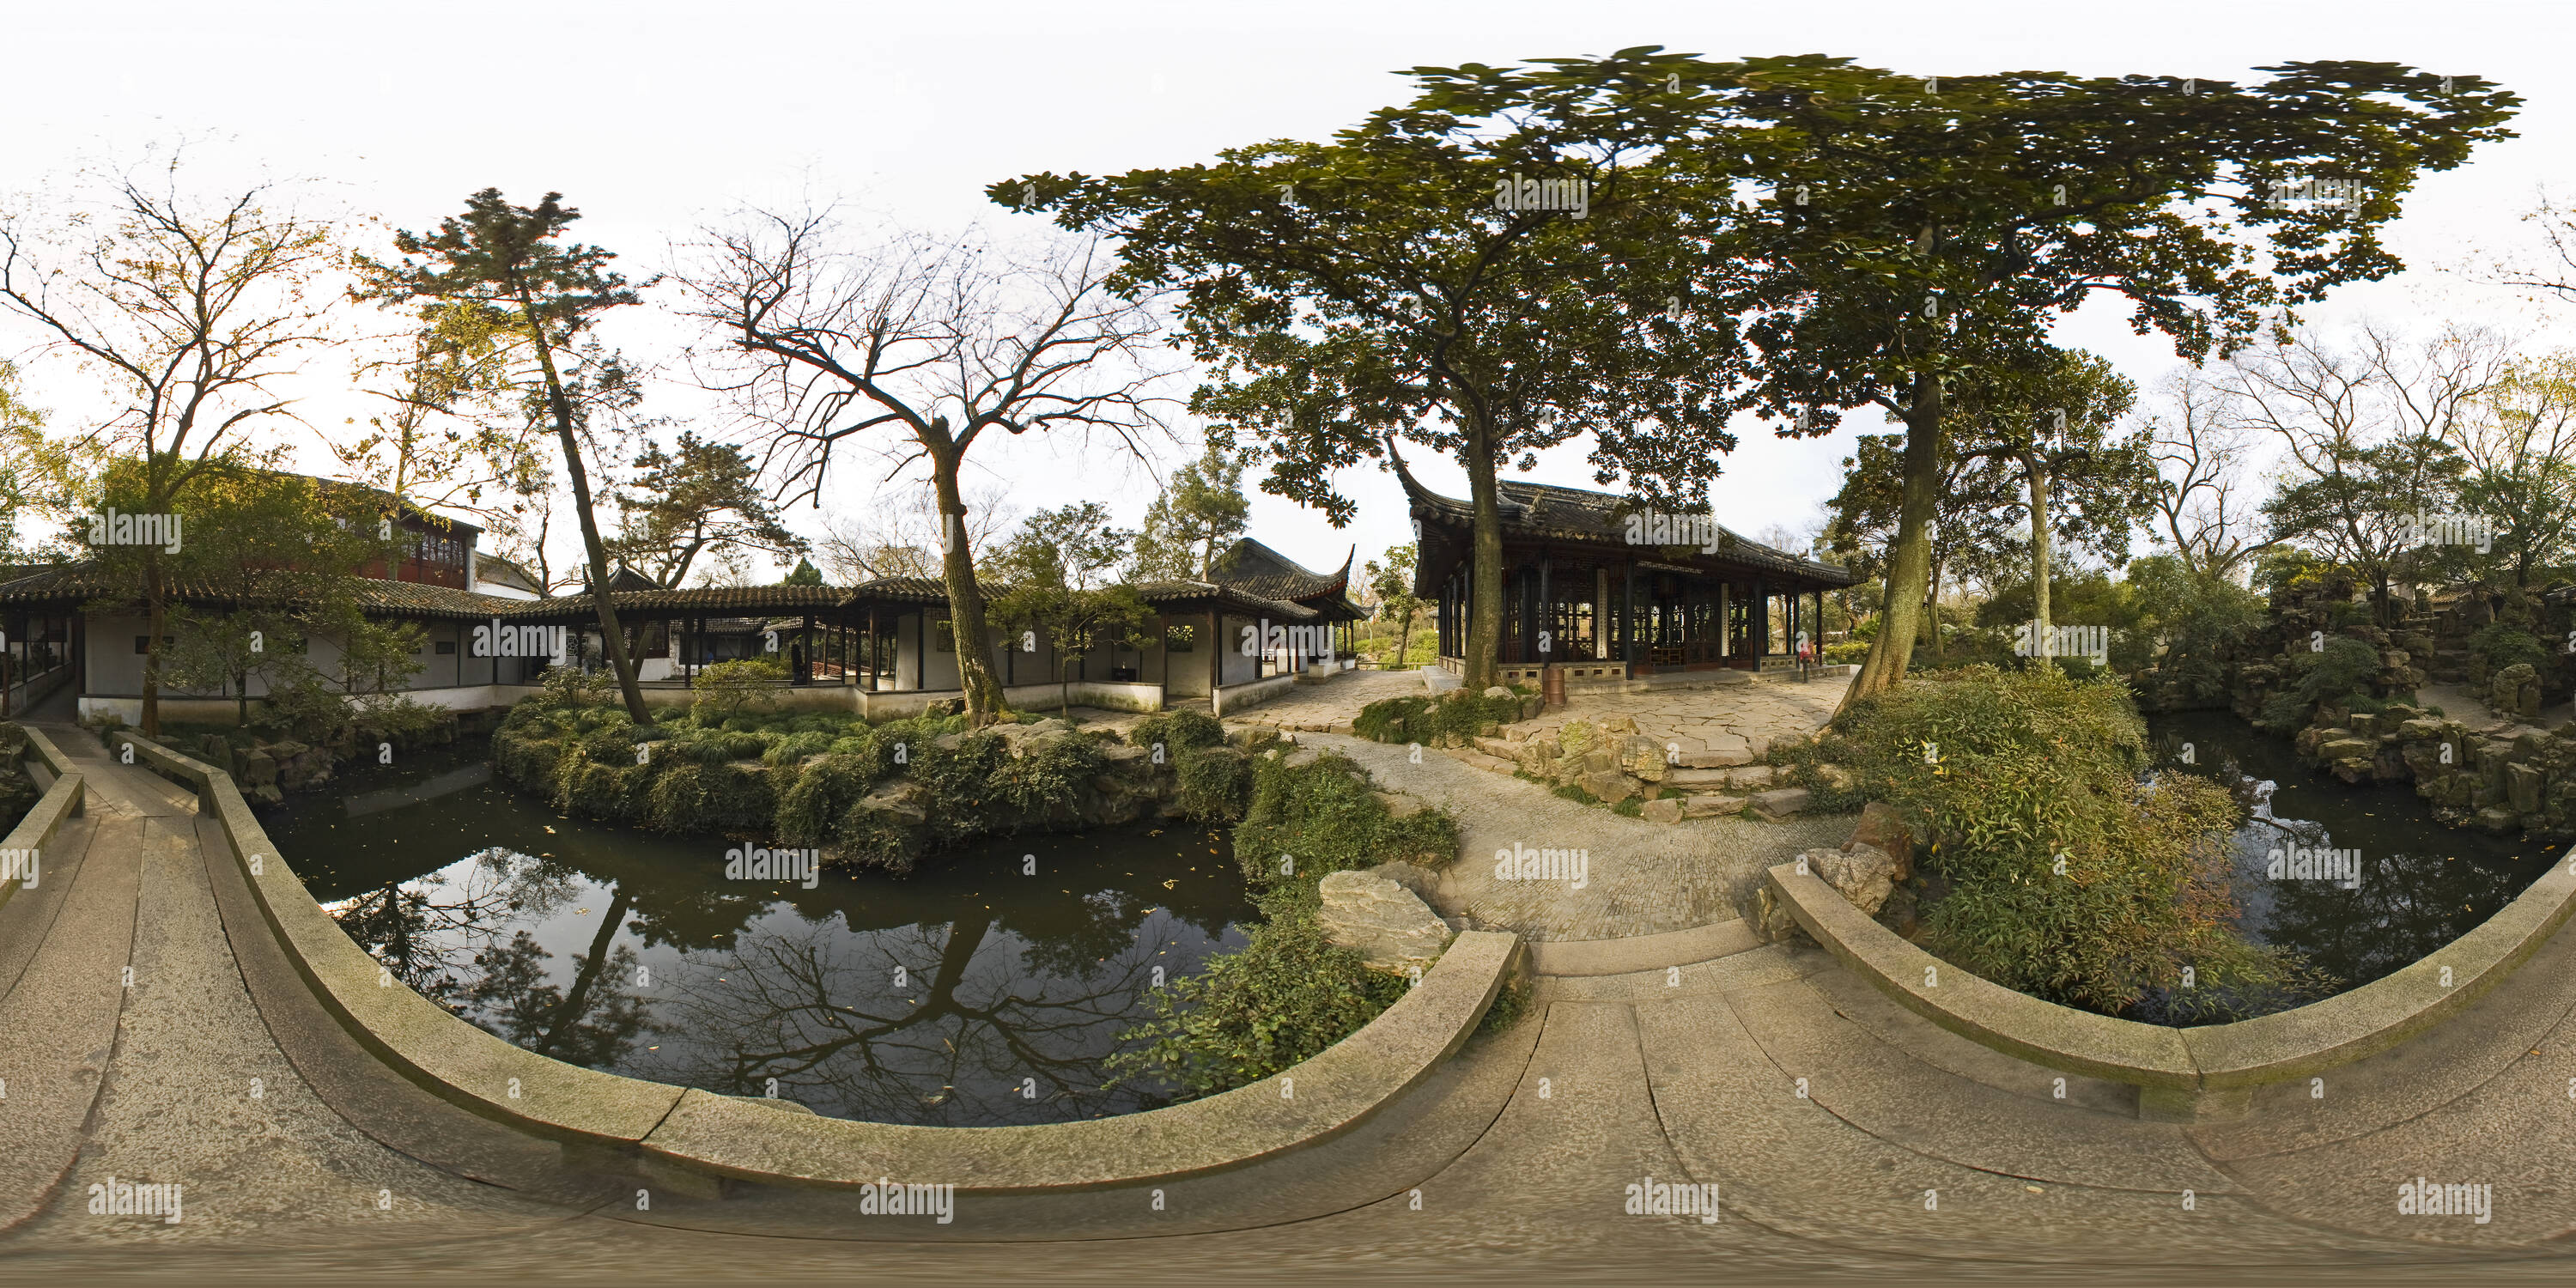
x: 1729, y: 724
x: 1639, y: 878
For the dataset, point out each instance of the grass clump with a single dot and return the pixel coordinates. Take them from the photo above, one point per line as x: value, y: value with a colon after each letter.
x: 1449, y: 720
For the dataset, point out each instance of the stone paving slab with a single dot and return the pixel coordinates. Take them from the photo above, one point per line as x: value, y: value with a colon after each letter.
x: 1729, y: 725
x: 1333, y: 704
x: 1640, y: 878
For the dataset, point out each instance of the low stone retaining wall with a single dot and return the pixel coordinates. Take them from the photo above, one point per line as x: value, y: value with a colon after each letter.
x: 686, y: 1133
x: 1235, y: 697
x: 36, y: 831
x: 2189, y: 1074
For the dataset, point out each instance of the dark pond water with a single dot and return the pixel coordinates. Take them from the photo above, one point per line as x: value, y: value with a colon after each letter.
x: 972, y: 993
x: 2414, y: 885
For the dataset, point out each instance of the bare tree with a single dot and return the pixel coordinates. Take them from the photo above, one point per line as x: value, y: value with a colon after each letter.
x: 822, y: 345
x: 192, y: 311
x: 2203, y: 451
x: 2369, y: 430
x: 898, y: 536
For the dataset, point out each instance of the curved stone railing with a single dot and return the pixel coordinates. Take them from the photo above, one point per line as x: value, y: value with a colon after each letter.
x: 23, y: 852
x: 727, y: 1136
x: 2192, y: 1073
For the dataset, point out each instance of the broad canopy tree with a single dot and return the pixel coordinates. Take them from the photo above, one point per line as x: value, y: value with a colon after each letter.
x: 1905, y: 231
x: 1488, y: 271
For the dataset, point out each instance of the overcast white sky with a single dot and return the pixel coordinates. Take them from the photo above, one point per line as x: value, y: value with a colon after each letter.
x: 651, y: 117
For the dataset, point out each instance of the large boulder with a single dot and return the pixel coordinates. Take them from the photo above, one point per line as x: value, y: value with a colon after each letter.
x: 1382, y: 921
x: 1773, y: 806
x: 2515, y: 691
x: 1609, y: 785
x: 1883, y: 829
x: 1863, y: 874
x: 1662, y: 811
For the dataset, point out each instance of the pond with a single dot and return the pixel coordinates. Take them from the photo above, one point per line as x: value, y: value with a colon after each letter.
x: 984, y: 990
x: 2411, y: 883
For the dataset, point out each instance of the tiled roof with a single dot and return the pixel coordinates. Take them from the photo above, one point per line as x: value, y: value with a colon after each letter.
x: 81, y: 582
x: 1601, y: 518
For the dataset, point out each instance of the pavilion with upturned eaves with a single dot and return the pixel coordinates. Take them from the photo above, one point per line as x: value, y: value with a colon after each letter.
x: 1600, y: 587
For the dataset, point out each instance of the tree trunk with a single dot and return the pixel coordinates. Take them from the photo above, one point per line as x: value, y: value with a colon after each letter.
x: 1485, y: 614
x: 965, y: 598
x: 2039, y: 618
x: 156, y: 606
x: 1404, y: 639
x: 1911, y: 560
x: 610, y: 637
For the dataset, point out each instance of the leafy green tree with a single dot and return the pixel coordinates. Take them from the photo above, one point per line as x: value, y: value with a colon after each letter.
x: 1053, y: 573
x: 698, y: 497
x: 1203, y: 508
x: 804, y: 574
x: 2519, y: 453
x: 1970, y: 535
x: 194, y: 313
x: 2053, y: 422
x: 541, y: 296
x: 1392, y: 583
x: 441, y: 443
x: 1911, y: 229
x: 1489, y: 271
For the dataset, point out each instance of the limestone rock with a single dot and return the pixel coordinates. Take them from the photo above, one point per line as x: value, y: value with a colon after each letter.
x: 1610, y: 785
x: 1619, y: 724
x: 1498, y: 691
x: 1711, y: 806
x: 1642, y: 758
x: 1883, y: 829
x: 1662, y: 811
x: 259, y: 769
x: 2522, y: 785
x: 1384, y: 922
x: 1864, y: 874
x: 1750, y: 777
x: 1772, y: 920
x: 1420, y: 880
x: 1781, y: 803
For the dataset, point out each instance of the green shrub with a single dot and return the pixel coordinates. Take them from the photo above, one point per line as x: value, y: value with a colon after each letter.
x: 611, y: 788
x: 2004, y: 773
x: 790, y: 751
x: 2342, y: 669
x: 2503, y: 644
x: 1211, y: 784
x: 1455, y: 716
x: 1048, y: 780
x: 568, y: 688
x: 1280, y: 999
x: 1325, y: 815
x: 732, y: 690
x: 525, y: 756
x: 729, y: 798
x: 811, y: 809
x: 1177, y: 731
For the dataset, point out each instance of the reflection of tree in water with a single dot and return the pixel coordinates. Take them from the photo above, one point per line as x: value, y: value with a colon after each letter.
x: 822, y: 1014
x: 420, y: 930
